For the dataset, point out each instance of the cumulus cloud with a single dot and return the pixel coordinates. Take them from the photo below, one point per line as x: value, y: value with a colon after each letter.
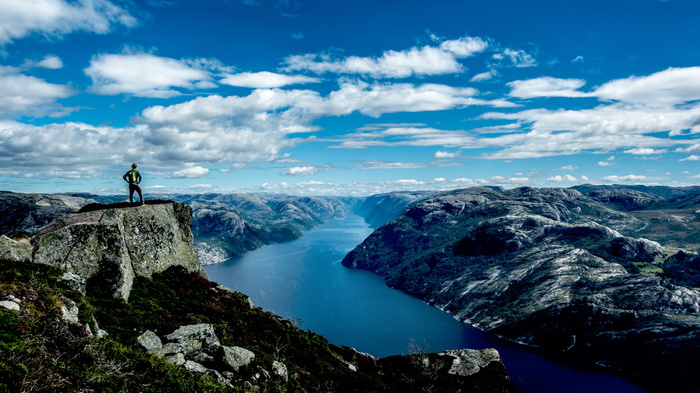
x: 23, y: 94
x: 50, y: 62
x: 692, y: 157
x: 145, y: 75
x: 562, y: 179
x: 546, y: 87
x: 266, y: 80
x: 515, y: 57
x: 672, y: 86
x: 630, y: 178
x: 441, y: 155
x: 53, y: 18
x: 303, y: 170
x: 191, y: 173
x: 417, y: 61
x: 645, y: 151
x: 610, y: 126
x: 484, y: 76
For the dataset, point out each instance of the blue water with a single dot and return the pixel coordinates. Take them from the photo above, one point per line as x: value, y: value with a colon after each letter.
x: 303, y: 280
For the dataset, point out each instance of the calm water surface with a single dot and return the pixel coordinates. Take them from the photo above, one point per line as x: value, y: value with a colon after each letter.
x: 303, y: 280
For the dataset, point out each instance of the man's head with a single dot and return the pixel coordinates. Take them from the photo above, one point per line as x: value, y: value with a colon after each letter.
x: 133, y: 166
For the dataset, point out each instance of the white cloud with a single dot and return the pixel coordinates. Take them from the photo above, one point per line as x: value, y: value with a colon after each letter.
x: 441, y: 155
x: 20, y: 18
x: 303, y: 170
x: 484, y: 76
x: 144, y: 75
x: 191, y: 173
x: 546, y: 87
x: 562, y: 179
x: 266, y: 80
x: 569, y: 168
x: 692, y: 157
x: 645, y: 151
x: 672, y: 86
x: 23, y: 94
x: 577, y: 59
x: 630, y: 178
x: 50, y: 62
x: 201, y: 187
x: 517, y: 58
x: 426, y: 60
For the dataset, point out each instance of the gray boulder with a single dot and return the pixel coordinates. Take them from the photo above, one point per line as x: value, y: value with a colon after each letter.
x: 150, y: 342
x: 467, y: 362
x: 192, y: 338
x: 236, y: 357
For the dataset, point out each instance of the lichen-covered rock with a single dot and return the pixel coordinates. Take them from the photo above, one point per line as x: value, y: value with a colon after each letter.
x: 192, y: 338
x: 467, y: 362
x: 150, y: 342
x: 280, y: 369
x: 119, y: 244
x: 14, y: 250
x: 236, y: 357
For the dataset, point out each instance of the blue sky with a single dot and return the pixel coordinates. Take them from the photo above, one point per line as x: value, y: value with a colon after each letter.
x: 324, y: 97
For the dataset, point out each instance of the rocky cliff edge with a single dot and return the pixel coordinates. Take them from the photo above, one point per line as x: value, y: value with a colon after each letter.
x: 111, y: 245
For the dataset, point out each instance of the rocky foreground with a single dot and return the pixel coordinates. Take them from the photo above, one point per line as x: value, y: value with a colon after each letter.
x: 546, y: 269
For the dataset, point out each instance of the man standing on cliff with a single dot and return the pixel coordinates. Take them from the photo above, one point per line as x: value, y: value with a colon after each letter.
x: 133, y: 177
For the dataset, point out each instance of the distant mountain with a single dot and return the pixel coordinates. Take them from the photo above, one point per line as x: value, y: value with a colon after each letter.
x: 31, y: 212
x: 381, y: 208
x: 555, y: 269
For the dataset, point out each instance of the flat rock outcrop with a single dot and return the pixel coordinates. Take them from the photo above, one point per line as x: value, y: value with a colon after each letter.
x: 112, y: 246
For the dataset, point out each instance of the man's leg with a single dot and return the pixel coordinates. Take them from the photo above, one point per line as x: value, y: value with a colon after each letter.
x: 138, y: 189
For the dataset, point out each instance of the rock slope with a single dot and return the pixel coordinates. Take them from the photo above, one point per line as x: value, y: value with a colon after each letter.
x: 543, y: 268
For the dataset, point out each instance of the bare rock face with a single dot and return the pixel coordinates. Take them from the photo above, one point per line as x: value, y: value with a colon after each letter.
x: 118, y: 244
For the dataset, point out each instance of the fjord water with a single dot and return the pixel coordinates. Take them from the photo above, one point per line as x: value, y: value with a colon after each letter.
x: 304, y: 281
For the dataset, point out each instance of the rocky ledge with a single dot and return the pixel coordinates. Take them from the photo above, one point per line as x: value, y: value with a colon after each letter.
x: 113, y: 244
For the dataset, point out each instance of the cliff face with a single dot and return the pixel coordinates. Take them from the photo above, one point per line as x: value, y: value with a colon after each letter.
x: 114, y: 245
x: 544, y: 268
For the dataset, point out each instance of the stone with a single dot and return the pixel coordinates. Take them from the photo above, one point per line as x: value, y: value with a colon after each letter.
x: 73, y: 281
x: 150, y: 342
x: 236, y: 357
x: 69, y: 310
x: 280, y: 369
x: 191, y: 338
x: 10, y: 305
x: 195, y: 367
x: 177, y: 359
x: 470, y: 361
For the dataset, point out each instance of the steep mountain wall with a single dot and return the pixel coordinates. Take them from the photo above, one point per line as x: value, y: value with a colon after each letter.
x: 543, y: 268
